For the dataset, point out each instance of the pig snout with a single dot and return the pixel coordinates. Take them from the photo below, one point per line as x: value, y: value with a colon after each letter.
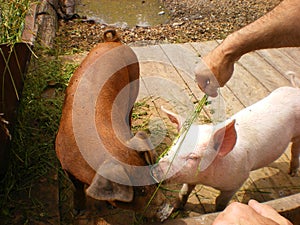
x: 159, y: 208
x: 167, y: 169
x: 164, y: 211
x: 177, y: 170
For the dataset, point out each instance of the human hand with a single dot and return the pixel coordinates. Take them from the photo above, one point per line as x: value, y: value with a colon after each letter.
x: 253, y: 213
x: 268, y: 212
x: 214, y: 71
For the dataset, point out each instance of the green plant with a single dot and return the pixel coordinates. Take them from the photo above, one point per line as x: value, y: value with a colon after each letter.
x: 12, y: 20
x: 32, y: 155
x: 12, y: 23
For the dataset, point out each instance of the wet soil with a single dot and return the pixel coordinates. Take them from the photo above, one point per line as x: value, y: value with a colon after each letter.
x: 189, y: 21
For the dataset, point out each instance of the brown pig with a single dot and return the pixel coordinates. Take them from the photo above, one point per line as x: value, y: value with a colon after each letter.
x: 95, y: 144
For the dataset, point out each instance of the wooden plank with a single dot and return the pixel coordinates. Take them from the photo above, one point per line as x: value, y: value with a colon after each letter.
x: 263, y: 71
x: 281, y: 62
x: 285, y: 184
x: 262, y: 184
x: 163, y: 82
x: 293, y: 53
x: 181, y: 57
x: 203, y: 48
x: 207, y: 197
x: 160, y: 86
x: 150, y: 53
x: 272, y: 181
x: 162, y: 78
x: 294, y: 182
x: 247, y: 89
x: 249, y: 191
x: 184, y: 61
x: 233, y: 104
x: 289, y: 207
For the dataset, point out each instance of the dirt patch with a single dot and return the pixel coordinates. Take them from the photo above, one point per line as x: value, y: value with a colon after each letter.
x: 190, y: 20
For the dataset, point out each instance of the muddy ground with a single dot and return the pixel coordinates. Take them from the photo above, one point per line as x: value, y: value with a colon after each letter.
x: 189, y: 21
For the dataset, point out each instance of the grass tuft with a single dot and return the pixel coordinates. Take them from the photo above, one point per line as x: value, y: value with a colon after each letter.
x: 32, y: 154
x: 12, y: 20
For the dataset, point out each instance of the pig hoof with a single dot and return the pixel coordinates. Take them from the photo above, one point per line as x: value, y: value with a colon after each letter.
x: 181, y: 200
x: 220, y: 208
x: 293, y: 173
x: 179, y: 206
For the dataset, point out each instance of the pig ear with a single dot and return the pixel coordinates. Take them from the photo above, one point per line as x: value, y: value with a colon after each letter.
x: 225, y: 138
x: 107, y: 190
x: 141, y: 143
x: 174, y: 118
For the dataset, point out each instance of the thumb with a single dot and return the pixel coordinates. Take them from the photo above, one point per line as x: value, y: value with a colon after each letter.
x: 206, y: 80
x: 269, y: 212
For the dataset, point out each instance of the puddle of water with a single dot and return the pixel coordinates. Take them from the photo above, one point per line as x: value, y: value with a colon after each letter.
x: 123, y: 13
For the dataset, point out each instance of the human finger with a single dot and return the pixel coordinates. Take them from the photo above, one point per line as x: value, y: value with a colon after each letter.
x: 241, y: 214
x: 269, y: 212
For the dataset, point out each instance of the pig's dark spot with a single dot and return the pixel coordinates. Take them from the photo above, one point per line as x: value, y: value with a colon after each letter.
x: 216, y: 146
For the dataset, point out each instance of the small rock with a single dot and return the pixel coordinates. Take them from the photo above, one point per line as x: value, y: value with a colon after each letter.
x: 48, y: 93
x: 161, y: 13
x: 177, y: 24
x: 52, y: 83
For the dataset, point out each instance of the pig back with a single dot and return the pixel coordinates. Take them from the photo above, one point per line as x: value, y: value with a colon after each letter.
x: 265, y: 129
x: 66, y: 146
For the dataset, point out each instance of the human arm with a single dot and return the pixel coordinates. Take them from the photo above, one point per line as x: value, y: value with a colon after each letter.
x: 278, y: 28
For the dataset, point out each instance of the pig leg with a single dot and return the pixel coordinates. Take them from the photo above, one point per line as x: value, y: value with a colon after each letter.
x: 183, y: 196
x: 223, y: 199
x: 79, y: 198
x: 295, y: 153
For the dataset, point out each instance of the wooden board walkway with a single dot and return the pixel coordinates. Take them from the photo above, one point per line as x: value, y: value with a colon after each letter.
x: 256, y: 75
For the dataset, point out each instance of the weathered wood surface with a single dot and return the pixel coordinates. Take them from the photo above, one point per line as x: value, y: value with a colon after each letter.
x: 256, y: 74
